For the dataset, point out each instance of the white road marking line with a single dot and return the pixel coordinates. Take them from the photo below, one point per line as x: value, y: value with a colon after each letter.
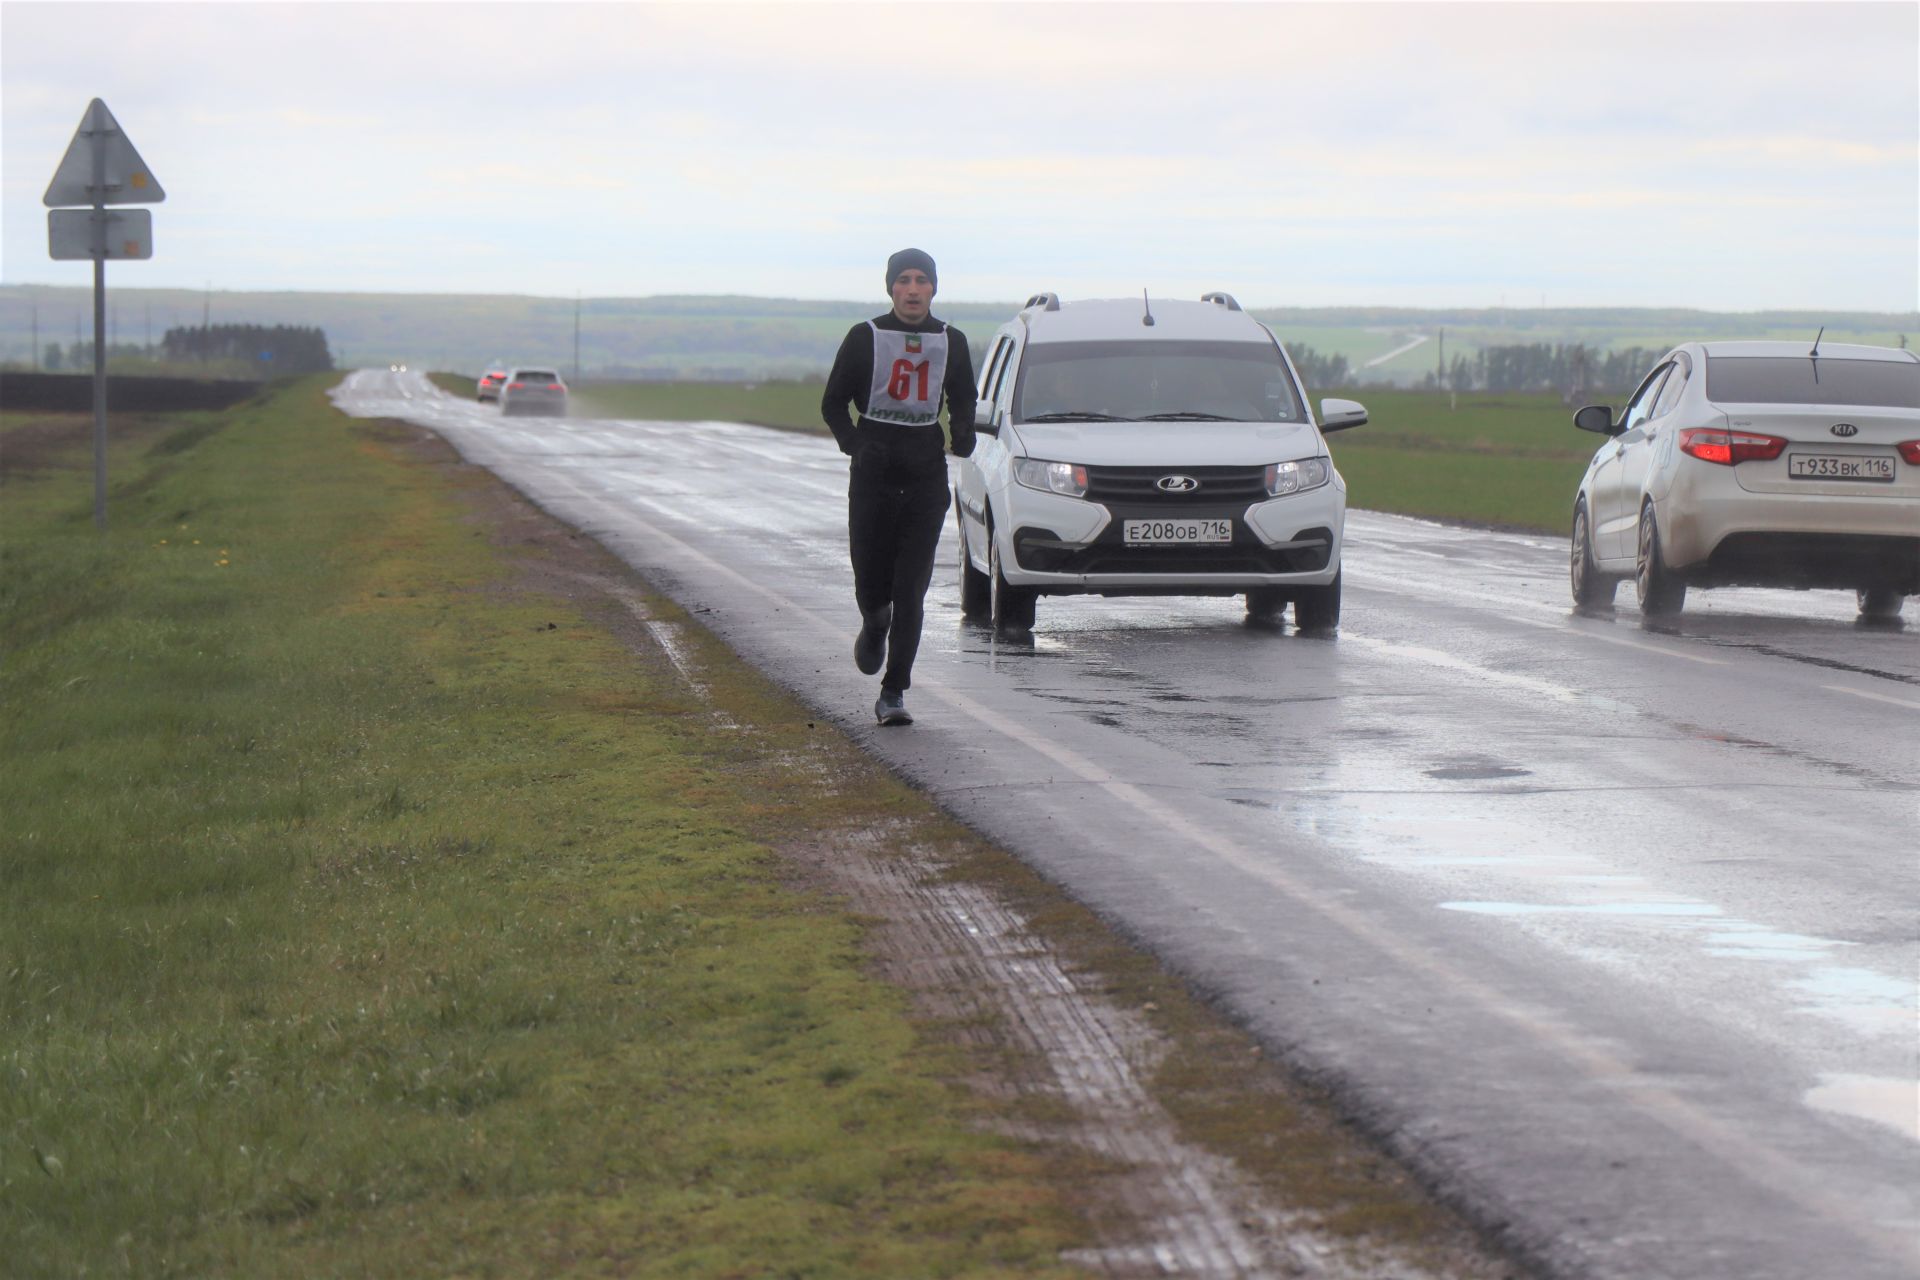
x: 1877, y: 697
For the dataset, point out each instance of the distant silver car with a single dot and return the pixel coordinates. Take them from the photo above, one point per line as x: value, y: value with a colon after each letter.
x: 533, y: 391
x: 1756, y: 464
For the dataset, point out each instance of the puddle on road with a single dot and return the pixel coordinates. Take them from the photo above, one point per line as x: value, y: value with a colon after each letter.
x: 1894, y: 1103
x: 1869, y: 1002
x: 1742, y: 941
x: 1476, y: 771
x: 1623, y: 909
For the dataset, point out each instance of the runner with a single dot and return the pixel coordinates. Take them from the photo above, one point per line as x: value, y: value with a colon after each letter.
x: 896, y: 368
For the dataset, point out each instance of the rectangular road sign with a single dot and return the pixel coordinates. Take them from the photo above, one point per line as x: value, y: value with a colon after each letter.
x: 124, y: 176
x: 129, y: 233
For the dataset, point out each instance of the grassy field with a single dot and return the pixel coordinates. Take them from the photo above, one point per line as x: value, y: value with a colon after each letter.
x: 367, y: 911
x: 1512, y: 461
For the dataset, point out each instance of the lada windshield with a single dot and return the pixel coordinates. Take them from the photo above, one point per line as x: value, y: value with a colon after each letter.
x: 1802, y: 380
x: 1147, y: 380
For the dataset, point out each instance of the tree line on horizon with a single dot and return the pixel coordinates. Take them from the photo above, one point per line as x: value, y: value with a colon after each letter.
x: 278, y: 350
x: 1572, y: 368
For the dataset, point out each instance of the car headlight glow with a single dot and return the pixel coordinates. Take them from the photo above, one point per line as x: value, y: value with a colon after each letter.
x: 1051, y: 477
x: 1284, y: 478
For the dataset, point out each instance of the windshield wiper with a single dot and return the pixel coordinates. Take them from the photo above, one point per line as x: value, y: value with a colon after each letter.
x: 1075, y: 415
x: 1190, y: 415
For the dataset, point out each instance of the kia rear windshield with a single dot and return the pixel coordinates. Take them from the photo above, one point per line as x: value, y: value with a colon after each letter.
x: 1802, y: 380
x: 537, y: 375
x: 1172, y: 381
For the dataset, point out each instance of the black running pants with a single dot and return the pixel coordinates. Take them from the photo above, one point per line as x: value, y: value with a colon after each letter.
x: 893, y: 529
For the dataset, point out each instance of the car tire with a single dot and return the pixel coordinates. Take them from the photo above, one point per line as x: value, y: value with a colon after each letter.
x: 1011, y: 608
x: 1592, y: 589
x: 1317, y: 609
x: 1880, y: 602
x: 976, y: 590
x: 1266, y: 604
x: 1662, y: 592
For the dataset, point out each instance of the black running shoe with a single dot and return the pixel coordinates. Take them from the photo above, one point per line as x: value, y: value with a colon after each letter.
x: 891, y: 708
x: 870, y: 646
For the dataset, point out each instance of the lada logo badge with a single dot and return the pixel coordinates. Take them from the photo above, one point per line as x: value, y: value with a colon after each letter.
x: 1177, y: 484
x: 1844, y: 429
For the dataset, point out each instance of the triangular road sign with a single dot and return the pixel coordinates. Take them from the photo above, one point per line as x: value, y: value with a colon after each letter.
x: 126, y: 181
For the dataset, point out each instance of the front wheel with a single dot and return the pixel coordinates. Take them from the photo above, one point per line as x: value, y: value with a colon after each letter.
x: 1662, y: 592
x: 976, y: 591
x: 1591, y: 588
x: 1011, y: 607
x: 1318, y: 608
x: 1880, y: 602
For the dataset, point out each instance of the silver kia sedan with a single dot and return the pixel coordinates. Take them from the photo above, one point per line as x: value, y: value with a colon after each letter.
x: 1778, y: 464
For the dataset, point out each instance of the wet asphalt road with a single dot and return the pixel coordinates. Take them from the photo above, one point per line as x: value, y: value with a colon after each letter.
x: 1612, y: 931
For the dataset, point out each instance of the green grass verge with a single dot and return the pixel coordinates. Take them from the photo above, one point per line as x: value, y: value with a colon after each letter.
x: 1512, y: 461
x: 368, y: 909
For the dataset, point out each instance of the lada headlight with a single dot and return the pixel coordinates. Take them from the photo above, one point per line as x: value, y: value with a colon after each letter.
x: 1284, y: 478
x: 1051, y: 477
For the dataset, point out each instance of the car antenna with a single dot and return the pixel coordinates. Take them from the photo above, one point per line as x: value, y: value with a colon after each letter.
x: 1815, y: 353
x: 1146, y: 319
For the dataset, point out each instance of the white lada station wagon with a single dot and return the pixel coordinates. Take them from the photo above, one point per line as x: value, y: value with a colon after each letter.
x: 1140, y: 447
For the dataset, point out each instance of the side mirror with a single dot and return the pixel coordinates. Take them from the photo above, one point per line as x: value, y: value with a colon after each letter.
x: 1595, y: 417
x: 989, y: 425
x: 1341, y: 415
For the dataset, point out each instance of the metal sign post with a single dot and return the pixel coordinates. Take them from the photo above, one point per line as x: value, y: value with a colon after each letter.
x: 100, y: 168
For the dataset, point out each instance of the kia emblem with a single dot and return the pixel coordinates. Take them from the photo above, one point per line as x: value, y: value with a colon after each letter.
x: 1176, y: 484
x: 1844, y: 429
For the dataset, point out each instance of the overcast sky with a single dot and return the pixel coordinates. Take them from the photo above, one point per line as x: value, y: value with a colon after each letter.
x: 1730, y: 156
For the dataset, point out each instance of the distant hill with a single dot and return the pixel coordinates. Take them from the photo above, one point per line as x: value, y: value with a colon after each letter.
x: 728, y: 338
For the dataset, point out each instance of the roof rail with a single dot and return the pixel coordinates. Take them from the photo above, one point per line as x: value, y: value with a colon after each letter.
x: 1044, y: 301
x: 1219, y: 299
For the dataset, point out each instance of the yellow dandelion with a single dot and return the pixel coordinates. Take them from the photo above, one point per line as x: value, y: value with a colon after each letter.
x: 163, y: 542
x: 221, y: 563
x: 196, y: 542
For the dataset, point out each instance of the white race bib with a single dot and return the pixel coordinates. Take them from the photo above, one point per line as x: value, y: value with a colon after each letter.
x: 908, y: 371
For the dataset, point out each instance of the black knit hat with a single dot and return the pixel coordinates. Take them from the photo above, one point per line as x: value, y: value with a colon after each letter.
x: 907, y: 260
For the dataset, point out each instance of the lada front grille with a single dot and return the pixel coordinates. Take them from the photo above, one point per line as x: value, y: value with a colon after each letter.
x: 1142, y: 484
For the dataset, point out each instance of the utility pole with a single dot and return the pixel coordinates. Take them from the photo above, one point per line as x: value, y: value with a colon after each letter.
x: 576, y: 335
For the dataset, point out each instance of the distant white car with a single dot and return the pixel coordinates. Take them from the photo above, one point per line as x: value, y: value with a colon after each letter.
x: 1756, y: 464
x: 1128, y: 448
x: 529, y: 391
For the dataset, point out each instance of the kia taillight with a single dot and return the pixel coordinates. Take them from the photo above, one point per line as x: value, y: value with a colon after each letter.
x: 1713, y: 444
x: 1910, y: 450
x: 515, y: 386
